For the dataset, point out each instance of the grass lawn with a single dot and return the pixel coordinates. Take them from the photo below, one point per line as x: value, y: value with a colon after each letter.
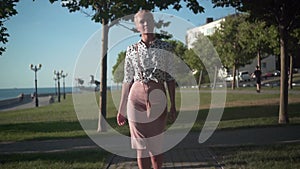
x: 279, y: 156
x: 87, y: 159
x: 59, y: 120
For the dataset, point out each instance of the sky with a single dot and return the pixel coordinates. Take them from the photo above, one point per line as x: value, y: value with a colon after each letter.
x: 48, y: 34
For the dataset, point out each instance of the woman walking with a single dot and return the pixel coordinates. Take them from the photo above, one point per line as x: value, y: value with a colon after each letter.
x: 148, y: 66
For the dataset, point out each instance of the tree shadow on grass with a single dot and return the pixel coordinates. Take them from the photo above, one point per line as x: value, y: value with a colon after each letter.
x: 55, y: 126
x: 260, y: 156
x: 75, y: 156
x: 55, y: 129
x: 246, y: 112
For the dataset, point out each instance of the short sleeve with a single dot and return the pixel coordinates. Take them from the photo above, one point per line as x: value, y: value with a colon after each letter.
x: 128, y: 66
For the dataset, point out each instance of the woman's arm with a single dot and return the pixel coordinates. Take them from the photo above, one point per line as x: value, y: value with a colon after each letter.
x: 121, y: 116
x: 127, y: 82
x: 171, y: 90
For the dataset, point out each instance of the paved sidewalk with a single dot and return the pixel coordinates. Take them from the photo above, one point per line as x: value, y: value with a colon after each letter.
x: 26, y: 103
x: 177, y: 158
x: 187, y: 154
x: 190, y: 154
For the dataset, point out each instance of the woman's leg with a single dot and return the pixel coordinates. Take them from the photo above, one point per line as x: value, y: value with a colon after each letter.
x: 143, y: 159
x: 157, y: 161
x: 258, y: 85
x: 144, y: 162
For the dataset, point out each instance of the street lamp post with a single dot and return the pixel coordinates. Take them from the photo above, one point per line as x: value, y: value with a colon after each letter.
x: 35, y: 69
x: 55, y: 86
x: 58, y: 76
x: 63, y: 76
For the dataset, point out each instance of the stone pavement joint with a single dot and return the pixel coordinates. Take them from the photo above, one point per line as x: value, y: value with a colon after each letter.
x: 177, y: 158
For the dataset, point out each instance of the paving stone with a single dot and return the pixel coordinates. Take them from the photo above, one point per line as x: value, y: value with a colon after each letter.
x: 179, y: 158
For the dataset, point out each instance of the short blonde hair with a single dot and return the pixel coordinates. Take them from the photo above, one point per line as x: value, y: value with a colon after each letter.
x: 143, y: 11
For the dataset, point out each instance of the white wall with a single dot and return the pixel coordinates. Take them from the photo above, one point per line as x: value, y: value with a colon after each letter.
x: 267, y: 65
x: 207, y: 29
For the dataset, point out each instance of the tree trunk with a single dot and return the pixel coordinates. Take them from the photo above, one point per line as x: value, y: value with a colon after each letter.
x: 283, y: 107
x: 103, y: 84
x: 233, y: 74
x: 259, y: 59
x: 200, y: 79
x: 215, y: 77
x: 291, y: 73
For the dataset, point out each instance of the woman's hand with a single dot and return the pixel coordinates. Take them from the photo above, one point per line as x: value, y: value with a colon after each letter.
x: 121, y: 120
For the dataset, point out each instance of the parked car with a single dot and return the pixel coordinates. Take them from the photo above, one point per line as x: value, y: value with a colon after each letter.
x: 228, y: 78
x: 295, y: 70
x: 267, y: 75
x: 276, y: 73
x: 242, y: 76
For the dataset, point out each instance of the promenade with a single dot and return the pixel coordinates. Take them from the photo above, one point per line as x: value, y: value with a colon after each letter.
x: 26, y: 103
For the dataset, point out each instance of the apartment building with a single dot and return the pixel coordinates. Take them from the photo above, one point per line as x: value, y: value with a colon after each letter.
x: 267, y: 64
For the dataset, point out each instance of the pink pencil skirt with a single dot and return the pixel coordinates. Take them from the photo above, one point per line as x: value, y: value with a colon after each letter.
x: 147, y: 114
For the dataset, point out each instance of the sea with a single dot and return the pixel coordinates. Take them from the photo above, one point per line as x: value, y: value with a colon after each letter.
x: 14, y: 92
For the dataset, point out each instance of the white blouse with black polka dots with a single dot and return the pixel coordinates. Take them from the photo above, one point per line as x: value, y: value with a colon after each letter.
x: 155, y: 63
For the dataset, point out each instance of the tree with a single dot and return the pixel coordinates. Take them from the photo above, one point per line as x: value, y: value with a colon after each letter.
x: 259, y: 38
x: 188, y: 57
x: 229, y: 45
x: 7, y: 10
x: 209, y: 63
x: 178, y: 47
x: 118, y: 68
x: 293, y: 47
x: 108, y: 13
x: 285, y: 15
x: 194, y: 63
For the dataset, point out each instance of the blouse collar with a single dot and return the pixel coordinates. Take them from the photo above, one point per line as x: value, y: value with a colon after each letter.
x: 151, y: 43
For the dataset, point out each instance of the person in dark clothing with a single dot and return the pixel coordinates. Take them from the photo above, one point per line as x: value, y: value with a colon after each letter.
x: 257, y: 74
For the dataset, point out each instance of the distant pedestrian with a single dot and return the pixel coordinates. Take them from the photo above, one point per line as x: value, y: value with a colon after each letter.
x: 32, y: 95
x: 51, y: 99
x: 21, y: 97
x: 257, y: 74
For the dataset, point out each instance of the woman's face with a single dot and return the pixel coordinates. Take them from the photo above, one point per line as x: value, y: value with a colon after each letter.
x: 144, y: 23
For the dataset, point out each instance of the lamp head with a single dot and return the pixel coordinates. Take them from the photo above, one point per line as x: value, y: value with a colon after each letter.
x: 64, y: 75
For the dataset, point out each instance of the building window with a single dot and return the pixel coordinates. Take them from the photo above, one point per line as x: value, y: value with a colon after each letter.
x: 264, y: 65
